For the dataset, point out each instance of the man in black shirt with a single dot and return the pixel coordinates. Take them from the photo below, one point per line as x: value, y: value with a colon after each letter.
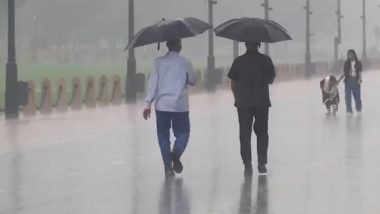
x: 250, y: 76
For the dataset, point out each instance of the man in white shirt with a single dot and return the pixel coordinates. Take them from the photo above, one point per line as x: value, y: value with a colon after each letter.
x: 168, y: 88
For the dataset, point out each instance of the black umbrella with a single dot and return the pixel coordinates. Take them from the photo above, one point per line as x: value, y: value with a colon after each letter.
x: 168, y: 30
x: 252, y: 30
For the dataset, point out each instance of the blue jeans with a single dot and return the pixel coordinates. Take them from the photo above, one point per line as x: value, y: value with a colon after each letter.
x: 352, y: 88
x: 180, y: 123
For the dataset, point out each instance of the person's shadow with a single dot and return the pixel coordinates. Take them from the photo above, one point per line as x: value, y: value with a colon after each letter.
x: 174, y: 197
x: 354, y: 141
x: 15, y: 167
x: 354, y: 161
x: 261, y: 205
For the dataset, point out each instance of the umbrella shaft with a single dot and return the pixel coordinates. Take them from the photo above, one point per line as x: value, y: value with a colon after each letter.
x: 211, y: 58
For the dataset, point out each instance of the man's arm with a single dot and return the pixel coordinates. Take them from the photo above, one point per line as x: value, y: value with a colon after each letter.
x: 151, y: 93
x: 233, y: 88
x: 233, y: 75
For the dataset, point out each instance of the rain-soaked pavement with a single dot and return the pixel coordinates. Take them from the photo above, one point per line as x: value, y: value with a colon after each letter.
x: 106, y: 160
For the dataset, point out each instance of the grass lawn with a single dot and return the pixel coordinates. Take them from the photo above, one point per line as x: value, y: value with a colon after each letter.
x: 53, y: 72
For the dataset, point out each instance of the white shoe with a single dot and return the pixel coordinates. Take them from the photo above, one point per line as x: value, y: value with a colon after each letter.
x: 359, y: 113
x: 349, y: 114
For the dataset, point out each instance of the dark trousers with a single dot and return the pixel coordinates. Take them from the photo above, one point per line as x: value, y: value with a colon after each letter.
x: 260, y: 126
x: 352, y: 89
x: 180, y: 123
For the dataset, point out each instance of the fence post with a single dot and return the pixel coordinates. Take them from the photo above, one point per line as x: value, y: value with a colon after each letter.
x: 61, y: 103
x: 90, y: 97
x: 30, y: 108
x: 104, y: 97
x: 116, y: 96
x: 46, y: 106
x: 76, y: 95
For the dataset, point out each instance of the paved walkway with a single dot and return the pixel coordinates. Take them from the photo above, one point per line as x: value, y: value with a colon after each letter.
x: 107, y: 160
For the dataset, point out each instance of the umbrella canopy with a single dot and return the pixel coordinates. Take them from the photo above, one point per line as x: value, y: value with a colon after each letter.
x: 168, y: 30
x: 252, y: 30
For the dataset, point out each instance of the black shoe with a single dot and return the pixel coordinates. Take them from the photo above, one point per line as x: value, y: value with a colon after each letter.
x: 177, y: 165
x: 248, y: 171
x: 169, y: 173
x: 262, y: 168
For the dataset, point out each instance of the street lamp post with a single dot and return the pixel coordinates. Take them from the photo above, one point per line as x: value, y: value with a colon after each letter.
x: 11, y: 88
x: 308, y: 64
x: 210, y: 81
x: 34, y: 39
x: 364, y: 55
x: 267, y: 8
x: 338, y: 38
x: 130, y: 89
x: 377, y: 32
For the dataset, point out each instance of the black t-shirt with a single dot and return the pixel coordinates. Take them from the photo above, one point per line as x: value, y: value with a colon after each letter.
x: 252, y: 72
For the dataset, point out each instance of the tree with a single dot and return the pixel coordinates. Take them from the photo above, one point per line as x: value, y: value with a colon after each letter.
x: 55, y: 23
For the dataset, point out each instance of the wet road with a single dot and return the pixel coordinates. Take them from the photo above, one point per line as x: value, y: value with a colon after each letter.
x: 107, y: 160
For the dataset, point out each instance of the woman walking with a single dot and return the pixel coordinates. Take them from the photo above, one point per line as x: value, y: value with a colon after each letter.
x: 353, y: 78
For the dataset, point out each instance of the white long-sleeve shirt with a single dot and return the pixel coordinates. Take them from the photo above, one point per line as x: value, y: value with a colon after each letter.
x: 168, y: 83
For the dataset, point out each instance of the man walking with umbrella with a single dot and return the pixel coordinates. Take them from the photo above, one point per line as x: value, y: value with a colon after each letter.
x: 168, y: 89
x: 168, y: 85
x: 250, y: 76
